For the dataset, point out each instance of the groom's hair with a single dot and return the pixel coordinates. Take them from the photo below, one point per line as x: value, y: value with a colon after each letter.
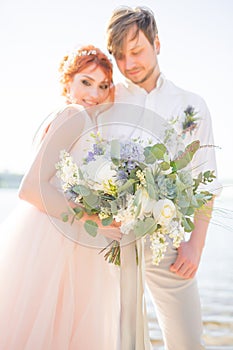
x: 122, y: 20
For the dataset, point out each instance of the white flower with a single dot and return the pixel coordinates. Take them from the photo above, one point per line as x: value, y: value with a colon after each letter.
x: 67, y: 170
x: 126, y: 216
x: 176, y: 232
x: 141, y: 176
x: 127, y: 226
x: 147, y: 204
x: 158, y: 247
x: 99, y: 171
x: 164, y: 211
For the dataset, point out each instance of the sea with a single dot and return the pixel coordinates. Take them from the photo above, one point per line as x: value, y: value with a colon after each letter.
x: 215, y: 274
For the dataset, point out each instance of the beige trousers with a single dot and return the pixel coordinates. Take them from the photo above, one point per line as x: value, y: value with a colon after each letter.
x: 177, y: 303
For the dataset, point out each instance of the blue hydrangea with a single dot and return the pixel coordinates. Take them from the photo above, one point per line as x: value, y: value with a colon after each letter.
x: 132, y: 151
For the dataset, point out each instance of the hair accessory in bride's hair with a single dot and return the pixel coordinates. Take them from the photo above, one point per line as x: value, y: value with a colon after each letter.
x: 87, y: 53
x: 71, y: 58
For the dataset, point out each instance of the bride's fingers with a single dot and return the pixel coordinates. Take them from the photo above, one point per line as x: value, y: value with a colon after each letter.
x: 115, y: 223
x: 114, y: 234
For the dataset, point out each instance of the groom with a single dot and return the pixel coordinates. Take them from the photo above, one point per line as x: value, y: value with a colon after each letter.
x: 132, y: 38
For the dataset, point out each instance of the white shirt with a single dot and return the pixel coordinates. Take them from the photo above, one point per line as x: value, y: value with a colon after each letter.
x: 170, y: 101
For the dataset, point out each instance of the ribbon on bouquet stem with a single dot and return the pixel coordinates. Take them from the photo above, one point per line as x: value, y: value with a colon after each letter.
x: 133, y: 323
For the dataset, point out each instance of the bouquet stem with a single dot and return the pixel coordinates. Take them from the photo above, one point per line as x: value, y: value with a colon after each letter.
x: 113, y: 253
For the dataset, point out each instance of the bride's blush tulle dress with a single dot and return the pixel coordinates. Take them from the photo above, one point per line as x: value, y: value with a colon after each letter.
x: 55, y: 294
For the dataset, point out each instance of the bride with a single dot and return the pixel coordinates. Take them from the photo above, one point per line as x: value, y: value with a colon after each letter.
x: 56, y: 291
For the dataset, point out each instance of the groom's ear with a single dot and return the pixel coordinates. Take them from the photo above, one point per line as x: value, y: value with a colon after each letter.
x: 157, y: 44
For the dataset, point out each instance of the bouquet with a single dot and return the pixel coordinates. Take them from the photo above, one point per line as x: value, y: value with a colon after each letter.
x: 140, y: 186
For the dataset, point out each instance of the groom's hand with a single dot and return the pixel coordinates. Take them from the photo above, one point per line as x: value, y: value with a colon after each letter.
x: 187, y: 261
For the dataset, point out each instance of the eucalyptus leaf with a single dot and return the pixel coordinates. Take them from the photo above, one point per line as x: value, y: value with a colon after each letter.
x: 78, y: 213
x: 91, y: 227
x: 151, y: 191
x: 188, y: 224
x: 81, y: 189
x: 116, y: 161
x: 150, y: 182
x: 165, y: 166
x: 91, y: 201
x: 138, y: 209
x: 149, y: 176
x: 155, y: 152
x: 189, y: 211
x: 185, y: 157
x: 107, y: 221
x: 147, y: 226
x: 80, y: 173
x: 113, y: 205
x: 77, y: 210
x: 194, y: 202
x: 129, y: 183
x: 183, y: 201
x: 107, y: 197
x: 137, y: 197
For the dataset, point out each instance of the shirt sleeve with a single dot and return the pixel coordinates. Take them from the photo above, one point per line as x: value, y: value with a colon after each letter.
x: 205, y: 158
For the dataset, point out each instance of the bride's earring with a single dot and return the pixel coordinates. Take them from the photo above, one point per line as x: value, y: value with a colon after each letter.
x: 71, y: 98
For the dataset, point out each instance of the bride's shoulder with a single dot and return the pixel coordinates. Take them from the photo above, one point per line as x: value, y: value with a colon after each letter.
x: 73, y: 112
x: 70, y: 109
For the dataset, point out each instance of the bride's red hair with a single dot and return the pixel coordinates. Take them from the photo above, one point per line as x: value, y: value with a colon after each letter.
x: 79, y: 60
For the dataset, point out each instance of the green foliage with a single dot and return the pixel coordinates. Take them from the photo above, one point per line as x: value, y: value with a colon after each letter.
x: 188, y: 224
x: 91, y: 227
x: 107, y: 221
x: 78, y: 213
x: 150, y: 184
x: 91, y: 201
x: 127, y: 187
x: 65, y: 217
x: 81, y: 189
x: 147, y: 226
x: 157, y: 193
x: 185, y: 157
x: 154, y: 153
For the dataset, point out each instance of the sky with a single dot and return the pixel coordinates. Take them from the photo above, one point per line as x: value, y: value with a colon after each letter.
x: 196, y: 54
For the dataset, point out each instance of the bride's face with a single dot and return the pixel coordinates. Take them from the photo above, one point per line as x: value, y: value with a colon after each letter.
x: 90, y: 87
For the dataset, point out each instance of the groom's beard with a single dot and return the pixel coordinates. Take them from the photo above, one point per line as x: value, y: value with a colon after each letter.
x: 145, y: 78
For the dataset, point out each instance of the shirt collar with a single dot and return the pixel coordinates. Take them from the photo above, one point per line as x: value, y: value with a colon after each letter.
x: 134, y: 88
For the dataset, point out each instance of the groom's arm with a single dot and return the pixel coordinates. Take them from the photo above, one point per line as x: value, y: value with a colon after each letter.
x: 190, y: 252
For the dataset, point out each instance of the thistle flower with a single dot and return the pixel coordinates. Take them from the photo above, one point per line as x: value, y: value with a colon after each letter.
x: 190, y: 121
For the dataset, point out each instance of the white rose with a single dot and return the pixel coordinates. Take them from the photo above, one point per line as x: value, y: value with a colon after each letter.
x: 99, y: 170
x: 164, y: 211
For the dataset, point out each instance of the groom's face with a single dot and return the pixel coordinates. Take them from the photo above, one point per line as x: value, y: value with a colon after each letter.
x: 137, y: 60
